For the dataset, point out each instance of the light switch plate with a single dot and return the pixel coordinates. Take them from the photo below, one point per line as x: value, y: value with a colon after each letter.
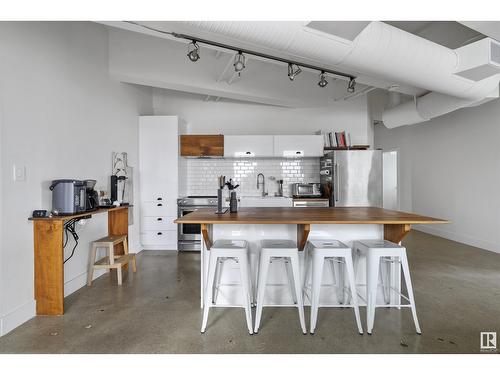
x: 19, y: 173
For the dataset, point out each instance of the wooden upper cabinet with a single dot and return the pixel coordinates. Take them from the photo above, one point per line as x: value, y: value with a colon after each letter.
x: 202, y: 145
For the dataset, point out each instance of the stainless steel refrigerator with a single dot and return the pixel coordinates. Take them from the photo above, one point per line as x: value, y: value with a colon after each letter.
x: 352, y: 178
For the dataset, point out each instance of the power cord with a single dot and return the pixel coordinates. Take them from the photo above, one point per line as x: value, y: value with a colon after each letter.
x: 69, y: 228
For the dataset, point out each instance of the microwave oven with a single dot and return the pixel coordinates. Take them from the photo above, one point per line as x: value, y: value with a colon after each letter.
x: 310, y: 190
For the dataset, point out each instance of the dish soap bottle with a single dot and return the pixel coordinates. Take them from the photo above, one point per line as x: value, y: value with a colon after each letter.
x: 233, y: 203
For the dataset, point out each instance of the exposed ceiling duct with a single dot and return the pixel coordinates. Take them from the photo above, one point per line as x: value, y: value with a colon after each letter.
x: 456, y: 78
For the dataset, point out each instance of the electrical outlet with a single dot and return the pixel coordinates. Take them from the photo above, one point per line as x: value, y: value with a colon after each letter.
x: 19, y: 173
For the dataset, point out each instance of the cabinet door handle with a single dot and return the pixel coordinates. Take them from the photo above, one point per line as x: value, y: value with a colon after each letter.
x: 159, y: 199
x: 159, y: 204
x: 159, y: 233
x: 159, y: 219
x: 248, y: 152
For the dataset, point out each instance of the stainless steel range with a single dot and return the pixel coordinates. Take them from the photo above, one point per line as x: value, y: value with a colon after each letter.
x: 189, y: 235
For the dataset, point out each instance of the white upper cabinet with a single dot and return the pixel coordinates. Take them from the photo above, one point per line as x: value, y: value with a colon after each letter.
x: 237, y: 146
x: 298, y: 145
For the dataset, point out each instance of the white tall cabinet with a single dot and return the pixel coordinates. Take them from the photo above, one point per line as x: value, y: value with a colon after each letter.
x: 159, y: 180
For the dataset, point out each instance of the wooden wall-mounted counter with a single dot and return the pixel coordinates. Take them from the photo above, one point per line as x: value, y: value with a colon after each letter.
x: 49, y: 255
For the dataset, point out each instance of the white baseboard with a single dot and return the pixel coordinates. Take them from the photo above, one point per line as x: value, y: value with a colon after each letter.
x: 434, y: 230
x: 17, y: 317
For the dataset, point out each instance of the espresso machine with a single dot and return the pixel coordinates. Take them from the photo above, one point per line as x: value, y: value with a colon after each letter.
x: 91, y: 195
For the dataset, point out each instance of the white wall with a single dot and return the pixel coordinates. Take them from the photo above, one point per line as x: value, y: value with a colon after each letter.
x: 201, y: 174
x: 232, y: 117
x: 62, y: 116
x: 449, y: 168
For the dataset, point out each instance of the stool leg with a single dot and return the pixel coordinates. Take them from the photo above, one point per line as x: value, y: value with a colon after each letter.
x: 218, y: 275
x: 355, y: 266
x: 91, y: 266
x: 294, y: 259
x: 245, y: 287
x: 307, y: 269
x: 354, y: 294
x: 317, y: 275
x: 385, y: 281
x: 338, y: 269
x: 212, y: 263
x: 134, y: 264
x: 371, y: 289
x: 125, y: 246
x: 291, y: 284
x: 409, y: 288
x: 261, y: 288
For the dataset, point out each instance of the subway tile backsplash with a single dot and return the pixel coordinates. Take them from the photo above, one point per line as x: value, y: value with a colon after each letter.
x: 199, y: 176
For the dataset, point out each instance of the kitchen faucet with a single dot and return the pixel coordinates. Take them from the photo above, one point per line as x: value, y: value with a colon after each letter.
x: 263, y: 184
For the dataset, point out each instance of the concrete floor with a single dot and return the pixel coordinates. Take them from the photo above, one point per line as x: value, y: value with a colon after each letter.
x: 457, y: 289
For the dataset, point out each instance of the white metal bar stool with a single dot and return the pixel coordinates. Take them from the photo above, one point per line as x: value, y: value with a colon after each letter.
x: 286, y: 250
x: 220, y: 252
x: 337, y: 254
x: 379, y: 254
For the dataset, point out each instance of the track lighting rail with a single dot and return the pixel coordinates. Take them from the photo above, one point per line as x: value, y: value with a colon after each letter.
x: 294, y: 67
x: 261, y: 55
x: 246, y: 51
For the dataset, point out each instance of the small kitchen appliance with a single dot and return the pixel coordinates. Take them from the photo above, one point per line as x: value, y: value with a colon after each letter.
x: 310, y: 190
x: 68, y: 197
x: 91, y: 195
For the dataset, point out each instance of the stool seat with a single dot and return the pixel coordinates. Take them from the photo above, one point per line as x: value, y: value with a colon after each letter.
x: 278, y: 244
x: 379, y: 255
x: 229, y: 244
x: 328, y: 244
x: 288, y: 251
x: 111, y: 261
x: 221, y: 251
x: 339, y: 255
x: 113, y: 239
x: 376, y: 244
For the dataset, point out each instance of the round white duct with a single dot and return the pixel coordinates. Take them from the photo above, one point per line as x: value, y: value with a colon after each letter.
x: 380, y: 50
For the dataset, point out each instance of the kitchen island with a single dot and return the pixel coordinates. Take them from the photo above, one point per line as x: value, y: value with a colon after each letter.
x: 346, y: 224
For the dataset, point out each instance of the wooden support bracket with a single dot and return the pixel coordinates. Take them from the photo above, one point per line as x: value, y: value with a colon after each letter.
x: 206, y: 231
x: 302, y: 235
x: 396, y: 232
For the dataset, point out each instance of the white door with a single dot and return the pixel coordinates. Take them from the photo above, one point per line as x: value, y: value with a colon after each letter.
x: 390, y: 180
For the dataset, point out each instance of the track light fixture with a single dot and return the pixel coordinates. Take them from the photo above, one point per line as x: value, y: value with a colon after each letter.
x: 352, y: 85
x: 322, y: 79
x: 239, y: 62
x: 293, y: 72
x: 240, y: 59
x: 193, y: 51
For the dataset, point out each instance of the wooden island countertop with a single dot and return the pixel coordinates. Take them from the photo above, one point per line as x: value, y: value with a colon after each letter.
x: 396, y: 223
x: 307, y: 215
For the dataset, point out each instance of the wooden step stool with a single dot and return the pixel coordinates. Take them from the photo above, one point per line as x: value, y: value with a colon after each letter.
x: 111, y: 261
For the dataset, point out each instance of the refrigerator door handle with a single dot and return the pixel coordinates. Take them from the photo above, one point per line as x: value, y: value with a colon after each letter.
x: 336, y: 183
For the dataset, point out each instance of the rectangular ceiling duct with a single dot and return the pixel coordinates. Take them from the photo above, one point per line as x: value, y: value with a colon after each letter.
x: 479, y: 60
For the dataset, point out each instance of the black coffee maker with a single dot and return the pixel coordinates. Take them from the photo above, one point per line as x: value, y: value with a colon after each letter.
x: 92, y: 196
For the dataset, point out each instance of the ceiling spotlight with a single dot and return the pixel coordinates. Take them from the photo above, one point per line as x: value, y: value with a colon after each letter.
x: 322, y: 79
x: 293, y: 72
x: 193, y: 51
x: 352, y: 85
x: 239, y: 62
